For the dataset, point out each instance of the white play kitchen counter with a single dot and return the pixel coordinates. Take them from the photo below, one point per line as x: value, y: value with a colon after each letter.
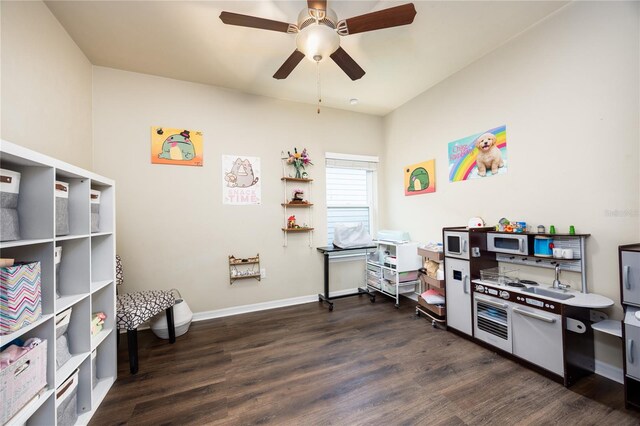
x: 581, y: 300
x: 534, y: 324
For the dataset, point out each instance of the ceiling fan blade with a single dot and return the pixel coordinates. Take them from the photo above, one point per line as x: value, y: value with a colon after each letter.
x: 230, y: 18
x: 317, y: 4
x: 292, y: 61
x: 386, y: 18
x: 348, y: 65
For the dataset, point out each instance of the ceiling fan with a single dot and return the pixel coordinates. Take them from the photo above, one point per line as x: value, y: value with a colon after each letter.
x: 318, y: 32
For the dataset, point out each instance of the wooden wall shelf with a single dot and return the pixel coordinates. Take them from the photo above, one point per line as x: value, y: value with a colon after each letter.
x: 290, y: 179
x: 303, y: 210
x: 236, y: 273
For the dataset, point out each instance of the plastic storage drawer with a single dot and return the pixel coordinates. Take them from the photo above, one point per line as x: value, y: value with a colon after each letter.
x: 404, y: 276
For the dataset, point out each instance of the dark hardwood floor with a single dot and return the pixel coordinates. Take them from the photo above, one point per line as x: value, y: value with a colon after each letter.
x: 362, y: 363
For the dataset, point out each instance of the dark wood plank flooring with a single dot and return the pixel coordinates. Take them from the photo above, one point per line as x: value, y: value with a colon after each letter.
x: 362, y: 364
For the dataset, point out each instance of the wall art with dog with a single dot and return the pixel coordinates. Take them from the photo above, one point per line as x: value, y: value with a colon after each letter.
x: 241, y: 183
x: 176, y: 146
x: 420, y: 178
x: 478, y: 156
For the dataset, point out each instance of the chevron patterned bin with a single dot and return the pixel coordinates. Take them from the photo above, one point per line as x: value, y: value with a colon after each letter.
x: 20, y: 301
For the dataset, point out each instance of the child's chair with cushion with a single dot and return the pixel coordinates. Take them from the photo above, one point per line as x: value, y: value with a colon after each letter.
x: 137, y: 307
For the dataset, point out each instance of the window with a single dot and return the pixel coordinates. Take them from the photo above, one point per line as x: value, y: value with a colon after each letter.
x: 351, y: 191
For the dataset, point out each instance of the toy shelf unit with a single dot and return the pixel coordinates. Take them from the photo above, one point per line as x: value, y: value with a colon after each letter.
x: 296, y: 195
x: 74, y: 243
x: 393, y: 269
x: 242, y: 268
x: 436, y: 312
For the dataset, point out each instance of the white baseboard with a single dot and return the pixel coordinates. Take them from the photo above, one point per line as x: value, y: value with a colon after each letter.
x: 609, y: 371
x: 219, y: 313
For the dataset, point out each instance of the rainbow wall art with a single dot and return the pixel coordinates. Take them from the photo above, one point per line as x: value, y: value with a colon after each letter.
x: 463, y: 155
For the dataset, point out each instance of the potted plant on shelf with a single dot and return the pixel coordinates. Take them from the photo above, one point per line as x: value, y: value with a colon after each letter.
x: 298, y: 196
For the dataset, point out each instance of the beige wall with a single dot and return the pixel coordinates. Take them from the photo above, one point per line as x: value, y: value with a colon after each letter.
x: 46, y: 85
x: 173, y: 230
x: 568, y: 91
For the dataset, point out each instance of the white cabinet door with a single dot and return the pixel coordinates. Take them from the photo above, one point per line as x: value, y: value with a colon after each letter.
x: 537, y: 337
x: 632, y: 335
x: 458, y: 298
x: 631, y: 277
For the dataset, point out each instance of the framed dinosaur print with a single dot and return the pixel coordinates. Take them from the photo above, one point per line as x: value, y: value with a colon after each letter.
x: 176, y: 146
x: 420, y: 178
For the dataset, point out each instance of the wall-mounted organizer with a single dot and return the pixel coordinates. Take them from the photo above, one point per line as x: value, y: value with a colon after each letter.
x: 294, y: 204
x: 241, y: 268
x: 58, y: 234
x: 429, y: 282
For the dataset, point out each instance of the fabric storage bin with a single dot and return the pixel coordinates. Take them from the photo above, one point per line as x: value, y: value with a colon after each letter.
x: 22, y: 380
x: 9, y: 194
x: 57, y: 259
x: 62, y: 208
x: 21, y: 303
x: 95, y: 210
x: 62, y: 342
x: 404, y: 276
x: 67, y: 401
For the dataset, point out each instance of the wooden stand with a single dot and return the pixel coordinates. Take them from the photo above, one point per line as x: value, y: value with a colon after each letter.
x: 436, y: 313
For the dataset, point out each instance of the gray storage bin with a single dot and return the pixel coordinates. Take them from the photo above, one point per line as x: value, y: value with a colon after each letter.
x: 67, y: 401
x: 57, y: 256
x: 62, y: 208
x: 62, y: 343
x: 9, y: 194
x: 95, y: 210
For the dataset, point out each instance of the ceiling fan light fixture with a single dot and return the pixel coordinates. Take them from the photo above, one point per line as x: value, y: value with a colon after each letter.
x: 317, y: 40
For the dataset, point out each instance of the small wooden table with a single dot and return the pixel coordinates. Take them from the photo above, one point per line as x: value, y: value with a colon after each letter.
x: 327, y: 251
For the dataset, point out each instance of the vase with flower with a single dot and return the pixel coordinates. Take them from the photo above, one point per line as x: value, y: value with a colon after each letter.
x: 299, y: 160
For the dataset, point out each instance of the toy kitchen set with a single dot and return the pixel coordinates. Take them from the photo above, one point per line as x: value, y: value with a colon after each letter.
x: 543, y: 325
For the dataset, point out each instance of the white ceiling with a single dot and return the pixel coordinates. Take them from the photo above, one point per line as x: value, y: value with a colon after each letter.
x: 186, y: 40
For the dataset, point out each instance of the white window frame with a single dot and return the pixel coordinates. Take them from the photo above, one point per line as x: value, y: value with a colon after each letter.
x: 351, y: 162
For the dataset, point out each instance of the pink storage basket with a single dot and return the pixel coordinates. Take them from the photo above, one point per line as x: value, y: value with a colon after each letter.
x: 22, y: 380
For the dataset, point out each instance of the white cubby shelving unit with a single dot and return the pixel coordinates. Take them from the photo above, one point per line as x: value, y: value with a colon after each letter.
x: 87, y: 278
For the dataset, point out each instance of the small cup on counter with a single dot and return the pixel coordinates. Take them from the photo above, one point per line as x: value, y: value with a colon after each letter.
x: 557, y: 253
x: 567, y: 253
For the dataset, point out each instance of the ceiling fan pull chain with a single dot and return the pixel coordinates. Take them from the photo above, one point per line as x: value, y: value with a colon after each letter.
x: 318, y: 78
